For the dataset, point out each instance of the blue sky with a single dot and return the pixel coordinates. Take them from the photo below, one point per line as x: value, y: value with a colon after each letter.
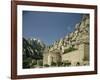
x: 48, y: 26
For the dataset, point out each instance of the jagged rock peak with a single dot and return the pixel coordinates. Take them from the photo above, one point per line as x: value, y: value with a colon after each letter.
x: 79, y: 35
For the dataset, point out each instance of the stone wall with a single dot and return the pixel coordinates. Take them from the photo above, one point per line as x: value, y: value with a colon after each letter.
x: 52, y: 56
x: 77, y: 56
x: 45, y: 58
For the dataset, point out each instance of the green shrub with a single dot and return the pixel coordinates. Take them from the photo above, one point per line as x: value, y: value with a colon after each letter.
x: 46, y: 65
x: 26, y: 63
x: 69, y: 49
x: 66, y: 63
x: 34, y: 62
x: 53, y: 64
x: 59, y: 63
x: 40, y: 63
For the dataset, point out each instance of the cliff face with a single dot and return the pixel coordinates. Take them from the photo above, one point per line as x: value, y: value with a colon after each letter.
x: 80, y: 35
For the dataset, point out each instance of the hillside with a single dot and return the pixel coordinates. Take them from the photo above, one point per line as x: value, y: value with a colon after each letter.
x: 79, y: 35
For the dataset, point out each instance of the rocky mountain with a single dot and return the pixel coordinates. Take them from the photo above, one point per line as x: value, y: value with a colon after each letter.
x: 80, y: 34
x: 32, y: 49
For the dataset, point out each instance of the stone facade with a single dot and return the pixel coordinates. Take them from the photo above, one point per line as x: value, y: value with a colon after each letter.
x: 81, y: 56
x: 78, y: 56
x: 52, y: 56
